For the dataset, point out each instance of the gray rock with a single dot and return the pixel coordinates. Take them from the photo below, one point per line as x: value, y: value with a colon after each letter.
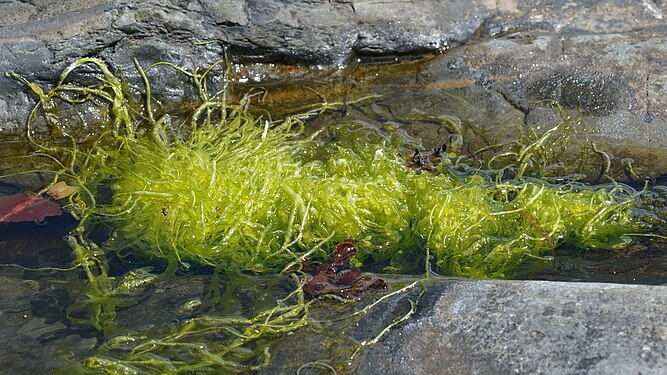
x: 512, y: 327
x: 508, y: 84
x: 40, y: 39
x: 610, y: 78
x: 34, y: 338
x: 502, y: 327
x: 501, y: 59
x: 304, y: 32
x: 458, y: 326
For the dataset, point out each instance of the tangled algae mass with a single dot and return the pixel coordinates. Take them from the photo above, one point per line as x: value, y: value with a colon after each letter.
x: 242, y: 192
x: 236, y: 190
x: 248, y: 197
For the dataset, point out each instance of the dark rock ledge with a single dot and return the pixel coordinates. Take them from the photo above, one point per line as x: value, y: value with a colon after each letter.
x: 603, y: 57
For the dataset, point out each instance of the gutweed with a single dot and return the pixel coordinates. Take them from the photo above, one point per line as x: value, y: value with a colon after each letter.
x: 244, y: 193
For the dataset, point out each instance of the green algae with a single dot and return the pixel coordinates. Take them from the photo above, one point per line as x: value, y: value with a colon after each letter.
x: 503, y: 230
x: 222, y: 344
x: 244, y: 197
x: 244, y: 193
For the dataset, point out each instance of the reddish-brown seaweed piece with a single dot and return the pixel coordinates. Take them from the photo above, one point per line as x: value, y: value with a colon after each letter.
x: 336, y: 277
x: 417, y: 162
x: 27, y: 207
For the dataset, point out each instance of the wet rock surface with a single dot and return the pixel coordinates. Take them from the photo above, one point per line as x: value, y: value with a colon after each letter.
x: 505, y: 327
x: 34, y: 336
x: 612, y: 80
x: 459, y: 327
x: 39, y: 39
x: 603, y: 58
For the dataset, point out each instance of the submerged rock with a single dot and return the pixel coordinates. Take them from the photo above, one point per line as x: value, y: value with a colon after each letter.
x: 34, y: 337
x: 602, y: 57
x: 458, y: 327
x: 611, y: 80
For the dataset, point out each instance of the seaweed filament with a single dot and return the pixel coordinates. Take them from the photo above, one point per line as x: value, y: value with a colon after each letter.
x: 243, y: 193
x: 199, y: 344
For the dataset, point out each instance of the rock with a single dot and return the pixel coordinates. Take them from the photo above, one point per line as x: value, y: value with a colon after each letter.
x: 34, y: 337
x: 301, y: 32
x: 612, y: 80
x: 500, y: 62
x: 458, y: 326
x: 514, y: 327
x: 510, y: 83
x: 503, y: 327
x: 507, y: 327
x: 38, y: 45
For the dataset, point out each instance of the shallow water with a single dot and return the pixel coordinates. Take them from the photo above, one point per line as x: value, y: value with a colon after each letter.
x: 38, y: 338
x: 34, y: 302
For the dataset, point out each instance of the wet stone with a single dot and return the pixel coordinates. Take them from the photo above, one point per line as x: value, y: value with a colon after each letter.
x: 499, y: 62
x: 510, y: 327
x: 458, y: 327
x: 568, y: 35
x: 34, y: 338
x: 606, y: 79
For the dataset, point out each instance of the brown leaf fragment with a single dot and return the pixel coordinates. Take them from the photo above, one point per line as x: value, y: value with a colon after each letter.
x: 61, y: 190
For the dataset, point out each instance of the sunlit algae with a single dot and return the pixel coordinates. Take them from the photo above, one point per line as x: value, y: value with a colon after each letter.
x: 242, y: 192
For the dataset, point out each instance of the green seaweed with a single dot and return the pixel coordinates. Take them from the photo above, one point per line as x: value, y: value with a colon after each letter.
x: 243, y: 197
x: 500, y: 231
x: 200, y: 344
x: 241, y: 192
